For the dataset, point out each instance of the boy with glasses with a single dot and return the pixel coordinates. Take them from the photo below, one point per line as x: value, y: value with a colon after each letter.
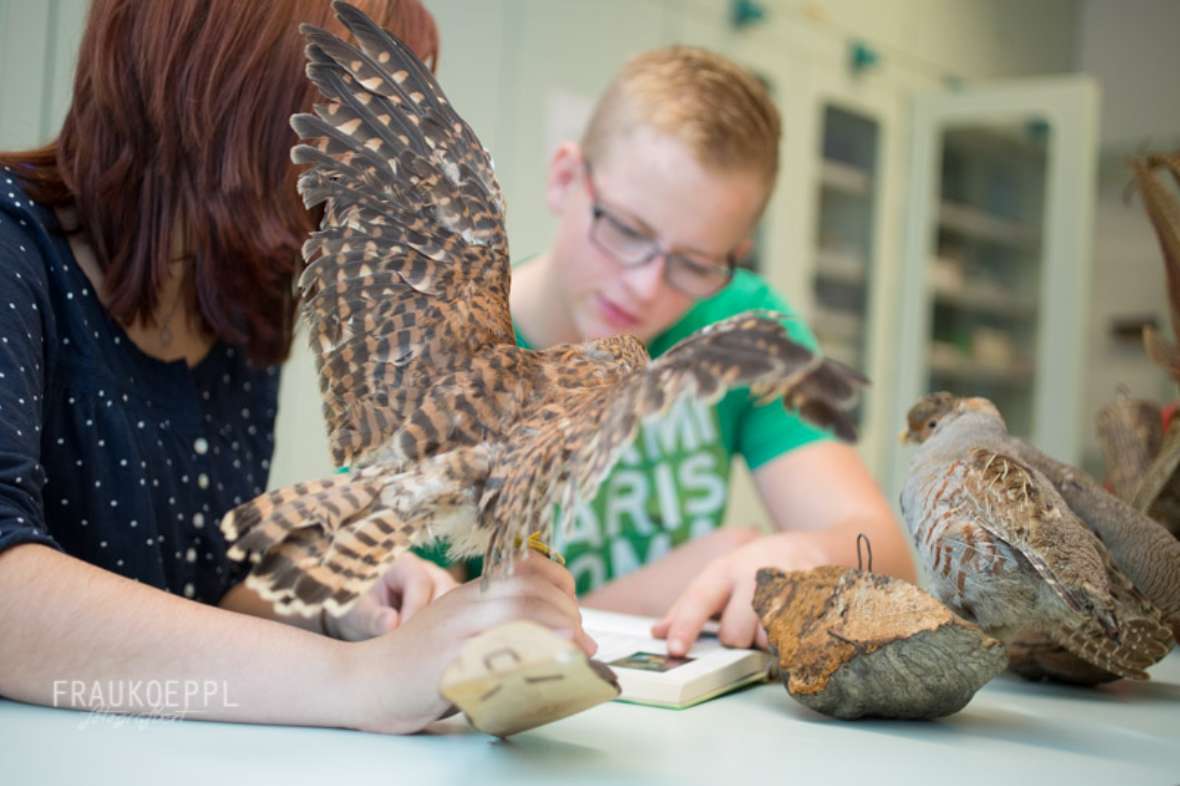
x: 655, y: 207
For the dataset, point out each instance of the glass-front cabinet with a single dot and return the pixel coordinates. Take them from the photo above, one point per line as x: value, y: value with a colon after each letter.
x: 996, y: 267
x: 842, y: 264
x: 984, y: 275
x: 852, y: 242
x: 829, y: 238
x: 934, y: 238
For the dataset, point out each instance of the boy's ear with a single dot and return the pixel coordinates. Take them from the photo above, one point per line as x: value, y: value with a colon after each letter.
x: 565, y: 168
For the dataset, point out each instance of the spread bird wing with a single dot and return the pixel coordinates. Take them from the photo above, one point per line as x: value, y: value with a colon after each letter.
x: 323, y: 544
x: 562, y: 450
x: 407, y: 276
x: 406, y: 284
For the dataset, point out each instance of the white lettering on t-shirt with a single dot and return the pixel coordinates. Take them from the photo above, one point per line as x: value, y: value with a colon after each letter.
x: 669, y: 500
x: 583, y: 528
x: 668, y: 486
x: 698, y: 474
x: 629, y: 456
x: 705, y: 422
x: 627, y: 495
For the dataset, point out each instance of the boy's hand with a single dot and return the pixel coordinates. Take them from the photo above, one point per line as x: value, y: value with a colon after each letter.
x: 409, y: 584
x: 726, y: 588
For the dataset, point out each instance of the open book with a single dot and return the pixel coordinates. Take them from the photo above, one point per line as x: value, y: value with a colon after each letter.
x: 648, y: 675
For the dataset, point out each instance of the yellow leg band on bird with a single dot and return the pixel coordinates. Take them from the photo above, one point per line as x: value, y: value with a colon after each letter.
x: 541, y: 547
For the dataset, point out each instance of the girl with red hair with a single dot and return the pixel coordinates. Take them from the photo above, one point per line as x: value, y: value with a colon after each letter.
x: 147, y: 264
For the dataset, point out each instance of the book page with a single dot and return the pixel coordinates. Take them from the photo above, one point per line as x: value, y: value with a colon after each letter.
x: 648, y: 674
x: 616, y: 633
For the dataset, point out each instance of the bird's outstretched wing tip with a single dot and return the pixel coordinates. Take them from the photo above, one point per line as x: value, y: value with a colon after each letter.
x: 344, y: 9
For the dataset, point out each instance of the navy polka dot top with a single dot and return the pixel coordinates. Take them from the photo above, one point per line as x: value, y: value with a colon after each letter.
x: 110, y: 455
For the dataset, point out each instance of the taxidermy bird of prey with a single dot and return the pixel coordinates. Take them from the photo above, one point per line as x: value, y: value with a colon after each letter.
x: 450, y: 429
x: 998, y: 543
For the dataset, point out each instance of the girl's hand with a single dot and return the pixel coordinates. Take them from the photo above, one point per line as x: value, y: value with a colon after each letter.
x: 397, y: 675
x: 405, y: 589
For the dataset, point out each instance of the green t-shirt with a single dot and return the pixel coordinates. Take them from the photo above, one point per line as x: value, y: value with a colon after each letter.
x: 672, y: 483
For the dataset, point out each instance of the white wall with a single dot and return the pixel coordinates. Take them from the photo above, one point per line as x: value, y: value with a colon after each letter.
x: 972, y: 39
x: 1132, y: 49
x: 38, y: 48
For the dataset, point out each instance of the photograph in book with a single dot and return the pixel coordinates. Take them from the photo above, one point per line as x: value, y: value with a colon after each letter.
x: 648, y: 675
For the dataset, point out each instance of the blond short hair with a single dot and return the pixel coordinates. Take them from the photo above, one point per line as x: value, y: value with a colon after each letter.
x: 718, y: 109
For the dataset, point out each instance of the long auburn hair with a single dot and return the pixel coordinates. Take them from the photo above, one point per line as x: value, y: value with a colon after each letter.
x: 179, y: 123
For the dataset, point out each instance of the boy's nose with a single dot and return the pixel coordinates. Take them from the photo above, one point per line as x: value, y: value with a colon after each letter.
x: 646, y: 279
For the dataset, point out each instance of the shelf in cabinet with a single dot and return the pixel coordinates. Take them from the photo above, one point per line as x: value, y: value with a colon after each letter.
x: 964, y: 369
x: 985, y: 301
x: 981, y: 225
x: 841, y: 267
x: 1004, y: 142
x: 845, y: 178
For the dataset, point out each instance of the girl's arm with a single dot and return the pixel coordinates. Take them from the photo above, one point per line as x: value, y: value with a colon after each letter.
x: 78, y: 636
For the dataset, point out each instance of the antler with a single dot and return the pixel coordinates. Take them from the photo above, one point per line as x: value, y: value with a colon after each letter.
x: 1164, y: 211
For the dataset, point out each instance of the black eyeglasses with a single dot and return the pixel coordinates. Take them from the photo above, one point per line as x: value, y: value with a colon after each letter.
x: 696, y: 275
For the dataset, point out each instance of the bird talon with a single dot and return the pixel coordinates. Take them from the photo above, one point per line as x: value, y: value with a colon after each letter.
x: 541, y: 547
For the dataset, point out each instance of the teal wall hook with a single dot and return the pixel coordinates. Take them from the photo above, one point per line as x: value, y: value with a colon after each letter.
x: 746, y: 13
x: 862, y: 57
x: 1037, y: 131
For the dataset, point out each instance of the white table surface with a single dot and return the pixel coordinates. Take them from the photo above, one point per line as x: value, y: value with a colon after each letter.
x: 1013, y: 732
